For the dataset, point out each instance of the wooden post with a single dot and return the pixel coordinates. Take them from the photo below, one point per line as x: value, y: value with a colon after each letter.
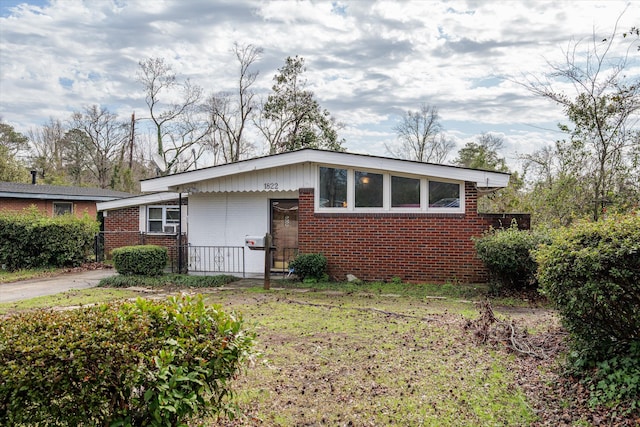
x: 267, y: 261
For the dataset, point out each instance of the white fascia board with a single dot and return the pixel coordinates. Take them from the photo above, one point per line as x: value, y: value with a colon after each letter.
x: 145, y: 199
x: 183, y: 181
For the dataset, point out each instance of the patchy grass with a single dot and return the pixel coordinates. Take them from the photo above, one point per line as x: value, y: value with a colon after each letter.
x: 75, y: 297
x: 14, y: 276
x: 376, y: 355
x: 370, y: 360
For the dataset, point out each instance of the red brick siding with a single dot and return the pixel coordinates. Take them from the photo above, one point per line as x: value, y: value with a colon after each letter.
x: 420, y: 247
x: 46, y: 206
x: 122, y: 228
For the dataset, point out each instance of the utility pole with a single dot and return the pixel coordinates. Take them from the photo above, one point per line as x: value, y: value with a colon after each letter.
x: 133, y: 133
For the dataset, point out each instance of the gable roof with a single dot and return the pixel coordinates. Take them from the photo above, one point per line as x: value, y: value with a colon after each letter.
x: 18, y: 190
x: 181, y: 181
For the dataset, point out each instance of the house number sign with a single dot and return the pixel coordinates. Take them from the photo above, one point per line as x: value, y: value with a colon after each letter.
x: 270, y: 185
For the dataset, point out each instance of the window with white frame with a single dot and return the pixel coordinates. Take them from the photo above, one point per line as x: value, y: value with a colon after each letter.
x: 62, y: 208
x: 362, y: 190
x: 163, y: 219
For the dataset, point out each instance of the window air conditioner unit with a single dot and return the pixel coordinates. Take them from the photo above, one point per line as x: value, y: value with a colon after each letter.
x: 173, y: 228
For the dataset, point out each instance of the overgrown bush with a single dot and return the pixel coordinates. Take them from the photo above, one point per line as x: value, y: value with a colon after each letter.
x: 148, y: 260
x: 592, y: 274
x: 309, y: 266
x: 507, y: 255
x: 30, y: 239
x: 136, y: 364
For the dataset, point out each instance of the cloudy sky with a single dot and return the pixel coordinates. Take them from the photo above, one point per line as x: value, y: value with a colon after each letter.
x: 367, y: 62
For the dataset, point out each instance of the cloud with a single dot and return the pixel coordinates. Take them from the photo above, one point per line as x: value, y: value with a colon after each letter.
x: 367, y: 62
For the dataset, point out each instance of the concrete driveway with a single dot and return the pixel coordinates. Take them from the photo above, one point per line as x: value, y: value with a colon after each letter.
x: 32, y: 288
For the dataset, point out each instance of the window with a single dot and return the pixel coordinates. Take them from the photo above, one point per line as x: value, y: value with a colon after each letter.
x: 333, y: 188
x: 349, y: 190
x: 368, y: 190
x: 444, y: 195
x: 163, y: 219
x: 62, y: 208
x: 405, y: 192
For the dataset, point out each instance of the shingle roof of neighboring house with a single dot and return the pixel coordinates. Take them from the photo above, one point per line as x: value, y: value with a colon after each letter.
x: 57, y: 192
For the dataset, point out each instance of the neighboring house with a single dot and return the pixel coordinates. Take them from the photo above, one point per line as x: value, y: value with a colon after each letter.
x: 152, y: 219
x: 374, y: 217
x: 54, y: 199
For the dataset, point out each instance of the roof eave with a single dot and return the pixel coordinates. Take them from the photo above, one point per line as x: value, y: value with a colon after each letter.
x: 182, y: 181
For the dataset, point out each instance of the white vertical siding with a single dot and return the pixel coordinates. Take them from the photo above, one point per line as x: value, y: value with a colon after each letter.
x: 285, y: 178
x: 224, y: 219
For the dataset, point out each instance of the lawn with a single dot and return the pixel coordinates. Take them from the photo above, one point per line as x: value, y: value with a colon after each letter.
x: 394, y: 355
x: 365, y: 360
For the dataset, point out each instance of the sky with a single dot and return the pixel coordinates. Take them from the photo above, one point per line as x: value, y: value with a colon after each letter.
x: 368, y: 62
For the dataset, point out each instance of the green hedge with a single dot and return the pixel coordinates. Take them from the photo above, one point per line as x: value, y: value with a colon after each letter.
x: 309, y: 266
x: 592, y: 273
x: 120, y: 364
x: 31, y: 240
x: 507, y: 254
x: 146, y: 260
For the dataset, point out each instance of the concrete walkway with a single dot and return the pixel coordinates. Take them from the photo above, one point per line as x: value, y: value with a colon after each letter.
x: 26, y: 289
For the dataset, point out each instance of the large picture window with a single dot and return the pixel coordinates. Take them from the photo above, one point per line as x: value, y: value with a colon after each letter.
x: 333, y: 188
x: 368, y: 190
x: 354, y: 190
x: 405, y: 192
x: 444, y: 194
x: 163, y: 219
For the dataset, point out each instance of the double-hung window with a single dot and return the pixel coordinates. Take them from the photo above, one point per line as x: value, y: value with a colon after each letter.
x: 163, y: 219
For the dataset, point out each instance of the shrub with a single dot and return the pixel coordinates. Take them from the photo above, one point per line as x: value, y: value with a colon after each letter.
x: 507, y: 255
x: 31, y: 240
x: 309, y: 266
x: 142, y: 363
x: 591, y: 272
x: 181, y: 280
x: 147, y: 260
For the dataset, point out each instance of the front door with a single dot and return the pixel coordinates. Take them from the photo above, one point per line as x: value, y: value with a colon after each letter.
x: 284, y: 232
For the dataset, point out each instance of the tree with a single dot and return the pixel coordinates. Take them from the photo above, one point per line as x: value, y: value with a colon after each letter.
x: 603, y: 113
x: 291, y: 117
x: 105, y: 137
x: 11, y: 143
x: 483, y: 154
x: 230, y: 113
x: 421, y: 138
x: 47, y: 151
x: 181, y: 127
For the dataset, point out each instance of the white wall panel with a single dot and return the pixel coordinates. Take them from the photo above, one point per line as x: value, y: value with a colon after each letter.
x: 224, y: 219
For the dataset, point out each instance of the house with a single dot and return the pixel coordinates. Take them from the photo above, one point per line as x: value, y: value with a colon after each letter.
x: 54, y: 199
x: 153, y: 219
x: 374, y: 217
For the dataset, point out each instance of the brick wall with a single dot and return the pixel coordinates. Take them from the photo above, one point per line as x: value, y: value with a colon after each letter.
x: 17, y: 205
x: 420, y: 247
x: 122, y: 228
